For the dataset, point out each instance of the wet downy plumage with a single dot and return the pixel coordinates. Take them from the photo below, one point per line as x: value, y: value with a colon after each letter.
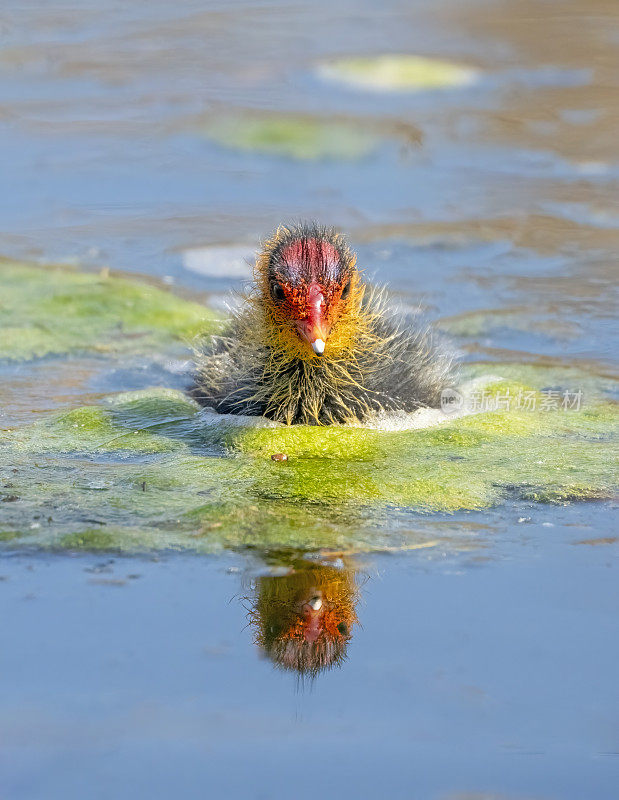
x: 304, y: 619
x: 312, y: 343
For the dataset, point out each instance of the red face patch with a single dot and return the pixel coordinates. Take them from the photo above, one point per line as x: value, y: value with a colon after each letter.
x: 306, y: 280
x: 305, y: 255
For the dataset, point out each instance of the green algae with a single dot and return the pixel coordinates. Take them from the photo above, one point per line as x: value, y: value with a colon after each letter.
x: 293, y: 136
x: 473, y: 324
x: 89, y: 539
x: 300, y: 441
x: 389, y: 73
x: 7, y: 536
x: 54, y: 310
x: 566, y: 494
x: 153, y: 471
x: 89, y: 429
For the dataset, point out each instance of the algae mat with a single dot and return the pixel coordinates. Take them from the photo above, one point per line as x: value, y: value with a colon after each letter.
x: 398, y: 73
x: 56, y: 310
x: 149, y: 470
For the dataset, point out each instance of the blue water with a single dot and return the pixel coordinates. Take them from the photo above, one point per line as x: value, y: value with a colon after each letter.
x: 484, y: 674
x: 480, y: 670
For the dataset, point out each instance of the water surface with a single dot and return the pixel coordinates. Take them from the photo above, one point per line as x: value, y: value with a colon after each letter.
x: 481, y: 667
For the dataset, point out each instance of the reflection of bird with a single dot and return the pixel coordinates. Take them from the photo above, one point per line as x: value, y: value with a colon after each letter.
x: 304, y: 620
x: 314, y: 344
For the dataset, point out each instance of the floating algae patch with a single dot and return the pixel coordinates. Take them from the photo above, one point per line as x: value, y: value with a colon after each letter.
x: 592, y: 381
x: 54, y: 310
x: 472, y: 324
x: 150, y: 470
x: 389, y: 73
x: 90, y: 429
x: 299, y: 137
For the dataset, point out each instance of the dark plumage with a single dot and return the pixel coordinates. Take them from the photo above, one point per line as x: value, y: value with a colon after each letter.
x: 313, y: 344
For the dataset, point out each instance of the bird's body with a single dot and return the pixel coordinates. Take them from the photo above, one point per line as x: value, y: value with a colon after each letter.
x: 313, y: 344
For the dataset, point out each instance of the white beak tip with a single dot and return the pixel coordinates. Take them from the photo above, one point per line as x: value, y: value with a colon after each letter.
x: 316, y: 603
x: 318, y: 346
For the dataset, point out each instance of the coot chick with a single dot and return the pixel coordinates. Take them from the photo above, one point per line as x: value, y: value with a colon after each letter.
x: 312, y: 343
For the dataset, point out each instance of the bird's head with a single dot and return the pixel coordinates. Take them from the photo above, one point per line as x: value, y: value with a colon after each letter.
x: 304, y: 620
x: 311, y: 290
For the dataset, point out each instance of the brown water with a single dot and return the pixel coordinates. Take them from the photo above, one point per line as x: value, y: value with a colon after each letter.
x: 481, y: 671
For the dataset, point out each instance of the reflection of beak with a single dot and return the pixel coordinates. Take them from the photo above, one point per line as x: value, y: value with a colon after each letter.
x: 313, y: 618
x: 315, y: 602
x: 315, y: 333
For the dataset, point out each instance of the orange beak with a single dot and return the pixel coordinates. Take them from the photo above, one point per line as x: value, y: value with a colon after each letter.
x: 314, y: 329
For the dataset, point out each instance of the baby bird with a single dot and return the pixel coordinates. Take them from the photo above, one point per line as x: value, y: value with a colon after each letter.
x: 313, y: 344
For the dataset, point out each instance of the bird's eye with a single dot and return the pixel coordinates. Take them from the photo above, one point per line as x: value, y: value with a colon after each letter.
x: 277, y: 293
x: 345, y: 291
